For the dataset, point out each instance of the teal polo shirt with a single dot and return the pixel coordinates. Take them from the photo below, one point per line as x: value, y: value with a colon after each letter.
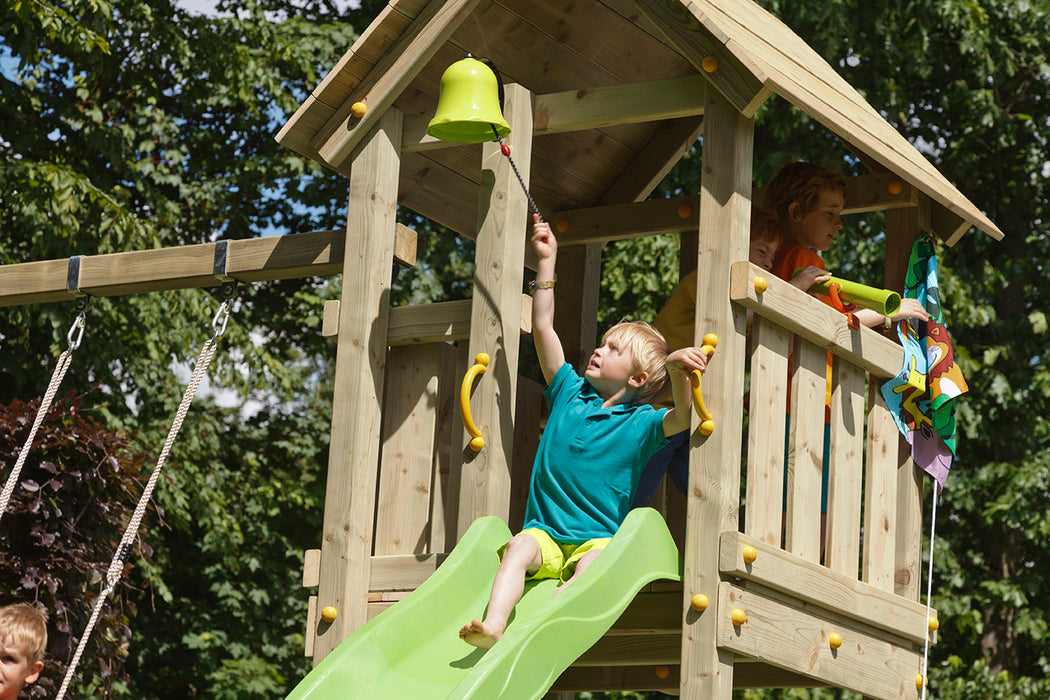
x: 589, y: 460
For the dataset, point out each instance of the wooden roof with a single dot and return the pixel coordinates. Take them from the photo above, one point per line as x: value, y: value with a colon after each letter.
x: 618, y: 88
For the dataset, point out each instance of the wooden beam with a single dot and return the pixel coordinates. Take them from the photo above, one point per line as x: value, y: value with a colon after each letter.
x: 796, y: 637
x: 186, y: 267
x: 495, y: 318
x: 614, y: 222
x: 597, y: 108
x: 389, y: 77
x: 353, y: 455
x: 444, y: 321
x: 815, y: 321
x: 816, y: 585
x: 866, y: 193
x: 655, y: 160
x: 742, y: 84
x: 714, y: 461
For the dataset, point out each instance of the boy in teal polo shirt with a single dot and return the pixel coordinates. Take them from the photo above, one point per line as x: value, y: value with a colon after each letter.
x: 600, y: 432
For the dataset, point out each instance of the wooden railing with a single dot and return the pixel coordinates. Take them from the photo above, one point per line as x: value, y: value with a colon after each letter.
x: 856, y: 567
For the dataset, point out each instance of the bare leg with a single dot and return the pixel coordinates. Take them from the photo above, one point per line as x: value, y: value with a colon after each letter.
x: 521, y: 556
x: 581, y: 566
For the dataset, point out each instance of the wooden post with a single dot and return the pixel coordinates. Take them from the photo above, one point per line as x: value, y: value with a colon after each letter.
x: 576, y: 301
x: 361, y: 353
x: 903, y: 227
x: 495, y: 317
x: 714, y: 461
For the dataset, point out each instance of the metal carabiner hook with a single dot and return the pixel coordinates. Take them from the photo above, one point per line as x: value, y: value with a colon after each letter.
x: 78, y: 327
x: 221, y: 317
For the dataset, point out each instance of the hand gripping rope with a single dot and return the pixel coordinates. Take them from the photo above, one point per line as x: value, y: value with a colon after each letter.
x: 116, y: 566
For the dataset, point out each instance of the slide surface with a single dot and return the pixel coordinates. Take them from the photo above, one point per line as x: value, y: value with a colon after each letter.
x: 412, y: 650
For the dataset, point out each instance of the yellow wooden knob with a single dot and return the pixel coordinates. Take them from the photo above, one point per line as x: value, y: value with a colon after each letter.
x: 739, y: 616
x: 894, y: 186
x: 761, y: 285
x: 706, y: 427
x: 920, y: 681
x: 329, y: 613
x: 562, y: 225
x: 476, y: 444
x: 934, y: 623
x: 684, y: 211
x: 699, y: 602
x: 834, y: 640
x: 710, y: 64
x: 712, y: 340
x: 750, y: 554
x: 358, y: 109
x: 663, y: 671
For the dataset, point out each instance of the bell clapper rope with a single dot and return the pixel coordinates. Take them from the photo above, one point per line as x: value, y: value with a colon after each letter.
x: 505, y: 150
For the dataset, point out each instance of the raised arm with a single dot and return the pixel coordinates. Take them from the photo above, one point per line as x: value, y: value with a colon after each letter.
x: 548, y: 346
x: 680, y: 364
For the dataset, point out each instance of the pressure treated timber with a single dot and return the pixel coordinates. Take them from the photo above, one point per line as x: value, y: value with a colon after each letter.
x: 740, y: 81
x: 805, y: 451
x: 406, y: 468
x: 766, y: 431
x: 842, y: 549
x: 392, y: 74
x: 714, y: 461
x: 443, y: 321
x: 666, y: 678
x: 819, y: 586
x: 656, y: 100
x: 495, y: 317
x: 815, y: 321
x: 798, y: 74
x: 795, y: 637
x: 353, y: 455
x: 615, y: 222
x: 185, y: 267
x: 880, y: 493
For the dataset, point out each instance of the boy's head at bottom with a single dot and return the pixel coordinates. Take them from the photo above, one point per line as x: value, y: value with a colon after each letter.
x: 23, y: 638
x: 630, y: 358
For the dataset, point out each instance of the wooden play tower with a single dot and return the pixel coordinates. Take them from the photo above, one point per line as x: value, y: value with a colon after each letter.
x: 603, y: 97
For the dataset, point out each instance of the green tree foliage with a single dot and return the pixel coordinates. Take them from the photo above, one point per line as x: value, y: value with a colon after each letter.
x: 71, y: 503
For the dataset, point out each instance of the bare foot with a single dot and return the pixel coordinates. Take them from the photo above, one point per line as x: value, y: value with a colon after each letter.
x: 480, y: 635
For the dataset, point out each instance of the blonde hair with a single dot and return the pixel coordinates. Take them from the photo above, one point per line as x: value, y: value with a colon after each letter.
x: 800, y: 182
x: 27, y: 626
x: 649, y: 352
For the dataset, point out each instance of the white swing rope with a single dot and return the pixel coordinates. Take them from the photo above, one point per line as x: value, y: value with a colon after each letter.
x: 45, y: 405
x: 116, y: 566
x: 929, y: 593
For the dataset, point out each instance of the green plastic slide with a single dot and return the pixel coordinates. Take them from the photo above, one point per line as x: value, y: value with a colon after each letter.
x: 412, y: 650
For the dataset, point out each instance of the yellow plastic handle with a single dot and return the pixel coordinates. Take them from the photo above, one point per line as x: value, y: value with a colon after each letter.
x: 707, y: 424
x: 481, y: 363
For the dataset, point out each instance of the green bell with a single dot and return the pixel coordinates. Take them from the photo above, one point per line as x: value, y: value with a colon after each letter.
x: 468, y: 104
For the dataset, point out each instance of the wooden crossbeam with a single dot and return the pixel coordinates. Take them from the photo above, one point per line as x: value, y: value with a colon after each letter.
x: 186, y: 267
x: 815, y: 321
x: 598, y: 108
x: 818, y: 586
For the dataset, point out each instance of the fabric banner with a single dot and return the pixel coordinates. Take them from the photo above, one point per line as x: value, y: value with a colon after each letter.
x: 922, y: 397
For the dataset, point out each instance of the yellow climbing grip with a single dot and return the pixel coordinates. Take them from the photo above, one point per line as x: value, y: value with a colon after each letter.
x: 707, y: 424
x: 481, y: 363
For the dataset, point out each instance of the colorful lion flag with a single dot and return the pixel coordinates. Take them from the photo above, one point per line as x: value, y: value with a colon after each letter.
x: 922, y: 397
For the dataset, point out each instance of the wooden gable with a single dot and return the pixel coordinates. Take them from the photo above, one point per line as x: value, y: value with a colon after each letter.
x: 618, y: 90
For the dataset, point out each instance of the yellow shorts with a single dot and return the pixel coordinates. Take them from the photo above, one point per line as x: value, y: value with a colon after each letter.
x: 559, y: 560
